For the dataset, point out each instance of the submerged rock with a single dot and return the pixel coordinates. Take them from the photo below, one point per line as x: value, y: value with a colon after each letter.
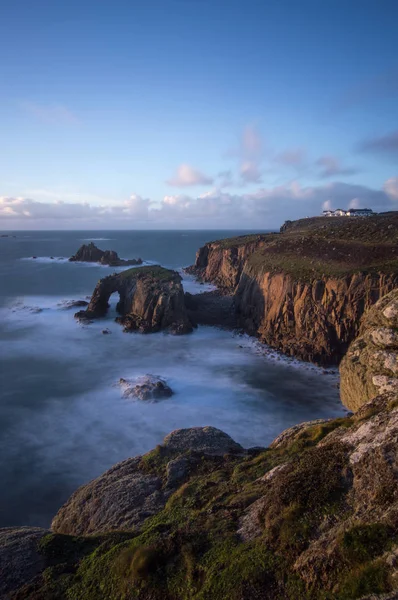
x: 90, y: 253
x: 67, y: 304
x: 148, y: 387
x: 150, y: 299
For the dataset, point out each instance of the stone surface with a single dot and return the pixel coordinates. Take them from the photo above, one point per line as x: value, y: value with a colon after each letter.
x: 203, y: 440
x: 148, y: 387
x: 90, y: 253
x: 151, y: 299
x: 370, y: 366
x: 20, y: 560
x: 123, y: 497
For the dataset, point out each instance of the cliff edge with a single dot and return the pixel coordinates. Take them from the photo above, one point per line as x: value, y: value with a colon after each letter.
x: 304, y: 290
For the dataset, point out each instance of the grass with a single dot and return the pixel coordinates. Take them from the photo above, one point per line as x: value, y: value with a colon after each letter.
x: 190, y: 550
x: 155, y: 271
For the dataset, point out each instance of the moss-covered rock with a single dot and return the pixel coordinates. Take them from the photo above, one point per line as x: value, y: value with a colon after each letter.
x: 370, y: 366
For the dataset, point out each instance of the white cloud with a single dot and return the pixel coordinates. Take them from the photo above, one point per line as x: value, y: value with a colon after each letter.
x: 391, y: 188
x: 187, y: 175
x: 265, y: 208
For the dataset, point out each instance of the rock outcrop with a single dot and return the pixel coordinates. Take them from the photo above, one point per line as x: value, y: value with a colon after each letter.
x: 20, y: 558
x: 126, y: 495
x: 222, y: 262
x: 370, y: 366
x: 149, y: 388
x: 313, y: 517
x: 151, y: 299
x: 90, y: 253
x: 305, y: 289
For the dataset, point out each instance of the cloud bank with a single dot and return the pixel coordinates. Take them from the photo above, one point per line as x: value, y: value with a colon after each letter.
x: 215, y: 209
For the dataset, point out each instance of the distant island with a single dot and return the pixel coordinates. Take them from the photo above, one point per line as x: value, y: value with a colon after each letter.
x: 90, y: 253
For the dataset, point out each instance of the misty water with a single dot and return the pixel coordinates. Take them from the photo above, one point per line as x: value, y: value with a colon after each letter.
x: 63, y: 420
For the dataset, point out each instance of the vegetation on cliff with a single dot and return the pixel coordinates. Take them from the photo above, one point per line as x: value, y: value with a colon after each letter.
x: 315, y: 516
x: 305, y: 290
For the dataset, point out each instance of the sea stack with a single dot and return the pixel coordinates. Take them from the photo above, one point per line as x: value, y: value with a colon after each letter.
x: 150, y: 299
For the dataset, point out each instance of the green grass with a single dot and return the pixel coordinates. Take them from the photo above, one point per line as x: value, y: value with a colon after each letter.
x: 190, y: 550
x: 155, y: 271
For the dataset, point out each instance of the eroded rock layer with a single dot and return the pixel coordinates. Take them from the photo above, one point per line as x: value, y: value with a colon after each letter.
x: 304, y: 290
x: 150, y: 299
x: 370, y: 366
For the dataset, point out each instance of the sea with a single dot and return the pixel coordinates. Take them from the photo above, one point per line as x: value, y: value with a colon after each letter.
x: 63, y: 420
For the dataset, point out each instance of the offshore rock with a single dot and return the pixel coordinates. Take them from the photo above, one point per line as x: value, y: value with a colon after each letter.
x: 90, y: 253
x: 150, y: 299
x: 148, y: 387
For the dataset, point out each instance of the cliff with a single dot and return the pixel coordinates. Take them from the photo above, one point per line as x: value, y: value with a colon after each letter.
x: 90, y: 253
x: 221, y: 262
x: 312, y: 517
x: 150, y: 299
x: 304, y: 290
x: 370, y: 366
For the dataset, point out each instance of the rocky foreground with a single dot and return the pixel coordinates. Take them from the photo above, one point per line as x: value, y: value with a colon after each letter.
x: 314, y: 516
x: 90, y: 253
x: 304, y: 290
x: 151, y: 299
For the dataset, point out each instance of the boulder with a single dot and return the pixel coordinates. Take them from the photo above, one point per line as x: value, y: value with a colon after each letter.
x: 20, y: 560
x: 123, y: 497
x: 148, y: 387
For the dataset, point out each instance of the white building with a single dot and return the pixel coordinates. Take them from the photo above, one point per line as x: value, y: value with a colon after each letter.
x: 351, y: 212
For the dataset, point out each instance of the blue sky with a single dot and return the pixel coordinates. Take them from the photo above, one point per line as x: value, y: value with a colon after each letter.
x: 195, y: 113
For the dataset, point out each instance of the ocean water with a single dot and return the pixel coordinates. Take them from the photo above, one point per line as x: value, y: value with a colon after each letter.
x: 63, y: 420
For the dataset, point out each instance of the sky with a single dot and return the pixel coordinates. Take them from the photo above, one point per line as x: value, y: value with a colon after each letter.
x: 195, y: 114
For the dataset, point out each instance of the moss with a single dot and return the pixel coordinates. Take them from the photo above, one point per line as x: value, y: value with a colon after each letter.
x: 155, y: 271
x: 392, y: 404
x: 310, y: 436
x: 362, y: 543
x: 242, y: 240
x: 372, y: 578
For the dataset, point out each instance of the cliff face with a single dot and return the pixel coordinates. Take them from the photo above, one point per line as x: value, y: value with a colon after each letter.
x: 305, y: 289
x: 370, y: 366
x: 222, y: 263
x: 150, y: 299
x: 316, y: 320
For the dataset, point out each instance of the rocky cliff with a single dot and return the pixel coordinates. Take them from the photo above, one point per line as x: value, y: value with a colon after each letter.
x: 90, y: 253
x: 305, y: 289
x: 370, y: 366
x: 150, y: 299
x: 312, y: 517
x: 221, y: 262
